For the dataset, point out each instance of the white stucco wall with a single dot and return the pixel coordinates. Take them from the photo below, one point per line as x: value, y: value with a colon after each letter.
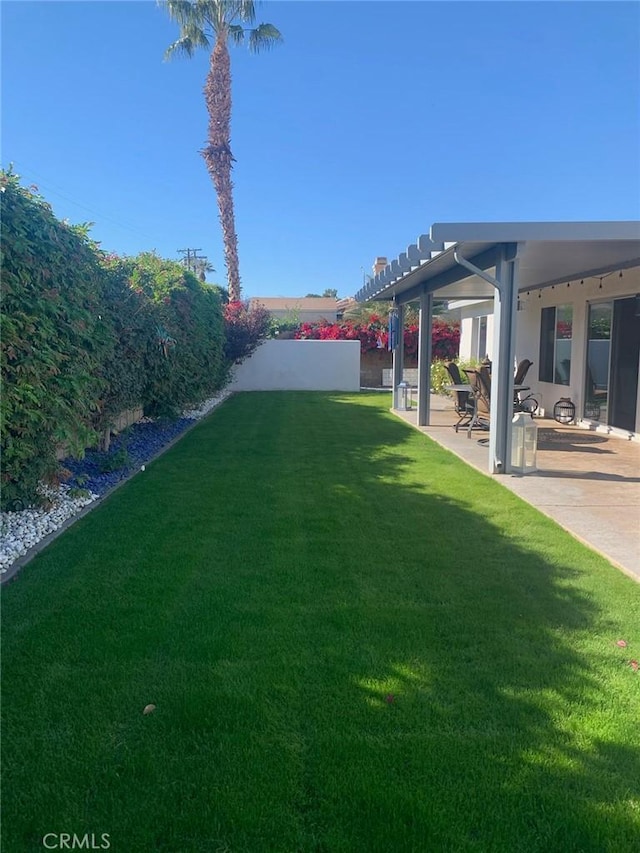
x: 579, y: 295
x: 301, y: 366
x: 469, y: 311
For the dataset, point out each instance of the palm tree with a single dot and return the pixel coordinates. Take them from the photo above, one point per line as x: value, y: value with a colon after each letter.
x: 203, y: 268
x: 203, y: 22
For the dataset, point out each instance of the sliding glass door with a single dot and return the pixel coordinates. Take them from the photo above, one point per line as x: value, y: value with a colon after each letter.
x: 613, y: 353
x: 625, y: 352
x: 598, y: 356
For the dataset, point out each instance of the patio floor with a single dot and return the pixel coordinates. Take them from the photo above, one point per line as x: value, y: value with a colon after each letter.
x: 587, y: 482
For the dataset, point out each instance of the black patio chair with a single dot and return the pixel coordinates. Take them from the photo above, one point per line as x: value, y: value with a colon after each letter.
x: 480, y: 381
x: 464, y: 400
x: 527, y: 403
x: 521, y: 371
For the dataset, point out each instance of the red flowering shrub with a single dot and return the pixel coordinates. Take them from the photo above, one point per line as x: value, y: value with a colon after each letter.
x: 445, y: 337
x: 244, y: 329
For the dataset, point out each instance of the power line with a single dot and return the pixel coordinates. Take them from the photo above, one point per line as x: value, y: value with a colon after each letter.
x: 194, y: 262
x: 51, y: 188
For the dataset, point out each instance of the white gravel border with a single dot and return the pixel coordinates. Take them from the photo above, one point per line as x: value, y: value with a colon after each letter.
x: 20, y: 532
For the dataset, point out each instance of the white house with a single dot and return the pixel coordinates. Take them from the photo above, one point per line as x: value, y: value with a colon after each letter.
x: 583, y: 337
x: 565, y: 295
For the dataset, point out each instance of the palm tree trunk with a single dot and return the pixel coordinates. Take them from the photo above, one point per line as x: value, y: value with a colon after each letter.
x: 218, y: 157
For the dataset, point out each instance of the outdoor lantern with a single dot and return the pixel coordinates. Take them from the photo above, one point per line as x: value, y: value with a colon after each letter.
x: 592, y: 410
x: 524, y: 443
x: 402, y: 397
x: 564, y: 411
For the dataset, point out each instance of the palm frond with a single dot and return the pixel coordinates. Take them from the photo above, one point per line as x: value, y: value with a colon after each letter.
x: 246, y: 11
x: 264, y: 37
x: 191, y: 39
x: 183, y: 12
x: 236, y: 34
x: 222, y: 13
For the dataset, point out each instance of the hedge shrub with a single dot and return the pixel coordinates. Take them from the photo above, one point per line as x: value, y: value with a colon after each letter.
x: 54, y: 339
x: 86, y: 335
x: 170, y: 336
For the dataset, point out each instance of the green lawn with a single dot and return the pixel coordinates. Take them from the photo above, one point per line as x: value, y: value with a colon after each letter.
x: 354, y: 642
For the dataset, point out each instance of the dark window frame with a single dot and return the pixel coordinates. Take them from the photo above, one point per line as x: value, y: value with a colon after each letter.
x: 548, y: 370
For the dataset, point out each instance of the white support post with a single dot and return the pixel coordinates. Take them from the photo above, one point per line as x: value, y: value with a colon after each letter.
x: 424, y: 359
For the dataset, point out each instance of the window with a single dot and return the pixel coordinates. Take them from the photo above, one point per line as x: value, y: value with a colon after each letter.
x: 598, y: 353
x: 556, y: 331
x: 482, y: 338
x: 479, y: 338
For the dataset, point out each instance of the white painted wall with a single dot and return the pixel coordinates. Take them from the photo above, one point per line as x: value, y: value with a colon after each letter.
x: 469, y: 312
x: 300, y: 366
x: 579, y: 294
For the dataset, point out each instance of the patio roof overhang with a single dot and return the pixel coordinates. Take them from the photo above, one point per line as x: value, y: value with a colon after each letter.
x: 496, y: 260
x: 548, y: 253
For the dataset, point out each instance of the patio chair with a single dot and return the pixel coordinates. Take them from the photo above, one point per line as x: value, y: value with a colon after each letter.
x: 464, y: 400
x: 480, y: 381
x: 521, y: 371
x: 527, y: 403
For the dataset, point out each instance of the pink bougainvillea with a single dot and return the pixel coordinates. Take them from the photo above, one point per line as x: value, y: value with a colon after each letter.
x: 445, y: 337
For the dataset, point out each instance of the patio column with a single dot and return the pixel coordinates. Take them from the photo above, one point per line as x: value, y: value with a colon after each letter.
x: 505, y: 306
x: 424, y: 359
x: 398, y: 355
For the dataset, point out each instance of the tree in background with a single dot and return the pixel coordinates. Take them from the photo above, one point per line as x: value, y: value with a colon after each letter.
x: 204, y: 266
x: 328, y: 293
x: 361, y: 312
x: 202, y: 22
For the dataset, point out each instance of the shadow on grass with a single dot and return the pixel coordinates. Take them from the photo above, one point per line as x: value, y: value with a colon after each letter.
x: 354, y: 641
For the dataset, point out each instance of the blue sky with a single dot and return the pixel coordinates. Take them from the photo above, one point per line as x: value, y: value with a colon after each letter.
x: 372, y: 121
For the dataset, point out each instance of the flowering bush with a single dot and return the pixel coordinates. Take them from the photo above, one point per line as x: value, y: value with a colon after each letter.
x: 445, y: 337
x: 245, y: 328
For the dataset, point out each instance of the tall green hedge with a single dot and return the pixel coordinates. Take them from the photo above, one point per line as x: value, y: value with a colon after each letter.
x: 169, y: 336
x: 53, y: 338
x: 85, y: 335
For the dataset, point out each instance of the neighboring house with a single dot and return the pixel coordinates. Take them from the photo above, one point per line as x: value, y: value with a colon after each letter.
x: 565, y: 295
x: 307, y: 309
x: 343, y: 305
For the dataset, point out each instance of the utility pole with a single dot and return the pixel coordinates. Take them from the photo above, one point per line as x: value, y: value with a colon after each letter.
x: 195, y: 263
x: 190, y: 257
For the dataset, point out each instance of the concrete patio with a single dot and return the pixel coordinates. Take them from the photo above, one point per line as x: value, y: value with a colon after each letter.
x: 587, y: 482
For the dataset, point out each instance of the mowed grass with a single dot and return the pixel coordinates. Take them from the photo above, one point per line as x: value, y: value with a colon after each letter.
x: 354, y: 642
